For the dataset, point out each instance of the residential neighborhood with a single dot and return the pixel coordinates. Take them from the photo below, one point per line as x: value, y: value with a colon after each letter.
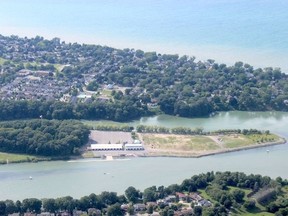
x: 181, y: 202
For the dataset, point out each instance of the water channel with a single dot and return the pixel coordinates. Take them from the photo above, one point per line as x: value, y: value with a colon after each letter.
x: 82, y: 177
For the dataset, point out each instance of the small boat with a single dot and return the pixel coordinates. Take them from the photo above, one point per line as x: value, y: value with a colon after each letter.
x: 30, y: 178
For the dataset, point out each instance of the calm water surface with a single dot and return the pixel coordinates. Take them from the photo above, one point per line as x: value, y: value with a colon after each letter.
x: 79, y: 178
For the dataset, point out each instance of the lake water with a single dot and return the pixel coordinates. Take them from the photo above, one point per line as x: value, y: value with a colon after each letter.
x: 82, y: 177
x: 254, y: 32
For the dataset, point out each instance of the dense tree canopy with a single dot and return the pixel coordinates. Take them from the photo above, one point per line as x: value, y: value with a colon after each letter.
x: 43, y: 137
x: 122, y: 111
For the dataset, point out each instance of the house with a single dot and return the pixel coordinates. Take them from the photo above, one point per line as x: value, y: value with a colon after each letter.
x: 46, y: 214
x: 64, y: 214
x: 139, y: 207
x: 187, y: 211
x: 78, y: 213
x: 124, y: 207
x: 170, y: 199
x: 110, y: 86
x: 29, y: 214
x: 161, y: 202
x: 94, y: 211
x: 155, y: 214
x: 196, y: 197
x: 181, y: 196
x: 14, y: 214
x: 205, y: 203
x: 151, y: 204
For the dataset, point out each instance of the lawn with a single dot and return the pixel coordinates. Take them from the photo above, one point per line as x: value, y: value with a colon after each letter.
x: 106, y: 93
x: 103, y: 122
x: 235, y: 141
x: 12, y: 158
x: 240, y: 140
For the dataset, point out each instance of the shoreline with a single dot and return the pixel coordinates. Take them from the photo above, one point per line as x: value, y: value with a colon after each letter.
x: 224, y: 151
x: 201, y: 52
x: 148, y: 154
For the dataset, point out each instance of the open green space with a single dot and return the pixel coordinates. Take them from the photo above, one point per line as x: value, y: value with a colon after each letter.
x: 106, y: 93
x: 104, y: 123
x: 240, y: 140
x: 15, y: 158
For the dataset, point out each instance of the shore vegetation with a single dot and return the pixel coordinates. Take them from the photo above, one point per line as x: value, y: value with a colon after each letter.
x: 209, y: 194
x: 43, y: 137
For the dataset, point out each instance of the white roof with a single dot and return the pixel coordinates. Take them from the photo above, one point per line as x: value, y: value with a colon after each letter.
x: 105, y: 146
x: 133, y: 145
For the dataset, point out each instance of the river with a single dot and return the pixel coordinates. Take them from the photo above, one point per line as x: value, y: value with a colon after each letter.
x: 82, y: 177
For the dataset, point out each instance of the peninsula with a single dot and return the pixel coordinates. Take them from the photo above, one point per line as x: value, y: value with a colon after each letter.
x: 177, y: 142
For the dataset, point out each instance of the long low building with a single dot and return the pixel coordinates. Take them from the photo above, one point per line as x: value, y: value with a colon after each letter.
x: 106, y: 147
x: 116, y: 147
x: 133, y: 147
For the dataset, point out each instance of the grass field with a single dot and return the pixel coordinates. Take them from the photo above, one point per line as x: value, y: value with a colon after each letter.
x: 192, y: 145
x: 12, y: 158
x: 166, y: 143
x: 103, y: 122
x: 239, y: 140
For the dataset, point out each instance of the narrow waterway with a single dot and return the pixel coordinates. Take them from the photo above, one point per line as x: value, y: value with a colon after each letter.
x: 82, y: 177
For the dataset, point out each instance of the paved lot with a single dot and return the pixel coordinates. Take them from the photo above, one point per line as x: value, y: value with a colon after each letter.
x: 113, y: 137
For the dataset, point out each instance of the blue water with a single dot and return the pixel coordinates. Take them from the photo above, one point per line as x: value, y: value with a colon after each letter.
x: 252, y: 31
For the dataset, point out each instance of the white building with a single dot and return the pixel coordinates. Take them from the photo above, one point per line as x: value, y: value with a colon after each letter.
x: 134, y: 147
x: 116, y: 147
x: 106, y: 147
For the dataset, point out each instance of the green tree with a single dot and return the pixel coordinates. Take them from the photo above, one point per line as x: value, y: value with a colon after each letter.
x: 238, y: 195
x: 115, y: 210
x: 149, y: 195
x: 132, y: 194
x: 2, y: 208
x: 92, y: 86
x: 49, y: 205
x: 250, y: 204
x: 197, y: 210
x: 32, y: 205
x: 10, y: 207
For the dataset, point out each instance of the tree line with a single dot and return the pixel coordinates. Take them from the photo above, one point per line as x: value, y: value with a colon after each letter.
x: 216, y: 185
x: 195, y: 131
x: 123, y: 111
x: 43, y: 137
